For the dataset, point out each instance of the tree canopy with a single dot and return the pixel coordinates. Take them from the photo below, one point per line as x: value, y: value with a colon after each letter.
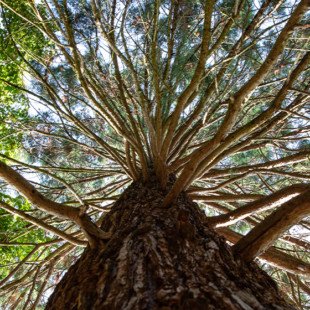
x: 98, y: 94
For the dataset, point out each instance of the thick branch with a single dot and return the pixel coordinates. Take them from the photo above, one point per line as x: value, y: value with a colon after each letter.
x: 272, y: 256
x: 263, y: 204
x: 27, y: 190
x: 269, y: 230
x: 30, y: 193
x: 42, y: 224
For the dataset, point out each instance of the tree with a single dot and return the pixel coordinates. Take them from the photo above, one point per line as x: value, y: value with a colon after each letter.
x: 148, y: 116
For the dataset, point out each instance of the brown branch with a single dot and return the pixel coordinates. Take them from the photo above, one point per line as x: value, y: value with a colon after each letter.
x: 42, y: 288
x: 288, y: 160
x: 32, y: 288
x: 16, y: 269
x: 27, y: 190
x: 270, y: 229
x: 226, y: 197
x: 60, y: 252
x: 272, y: 256
x: 42, y: 224
x: 263, y: 204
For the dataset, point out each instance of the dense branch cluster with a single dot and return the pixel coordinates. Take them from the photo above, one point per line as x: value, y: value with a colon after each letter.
x: 214, y: 92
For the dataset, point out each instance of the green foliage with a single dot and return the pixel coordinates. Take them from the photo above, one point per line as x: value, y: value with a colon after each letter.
x: 14, y: 106
x: 12, y: 225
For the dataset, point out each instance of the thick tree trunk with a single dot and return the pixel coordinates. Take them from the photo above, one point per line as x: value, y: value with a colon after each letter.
x: 163, y: 259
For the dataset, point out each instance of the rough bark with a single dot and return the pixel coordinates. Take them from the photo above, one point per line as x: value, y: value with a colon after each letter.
x: 163, y: 259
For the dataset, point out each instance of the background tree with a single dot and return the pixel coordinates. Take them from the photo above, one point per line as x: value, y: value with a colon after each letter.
x: 14, y: 109
x: 186, y: 100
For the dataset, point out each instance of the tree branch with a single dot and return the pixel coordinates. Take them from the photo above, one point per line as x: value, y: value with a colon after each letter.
x: 270, y: 229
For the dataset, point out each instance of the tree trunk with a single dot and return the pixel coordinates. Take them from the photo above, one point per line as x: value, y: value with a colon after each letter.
x: 163, y: 259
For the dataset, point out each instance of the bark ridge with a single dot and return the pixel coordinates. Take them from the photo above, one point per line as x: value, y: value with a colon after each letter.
x: 163, y: 259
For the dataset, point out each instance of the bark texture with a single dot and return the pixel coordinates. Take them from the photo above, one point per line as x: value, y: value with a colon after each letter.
x: 163, y: 259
